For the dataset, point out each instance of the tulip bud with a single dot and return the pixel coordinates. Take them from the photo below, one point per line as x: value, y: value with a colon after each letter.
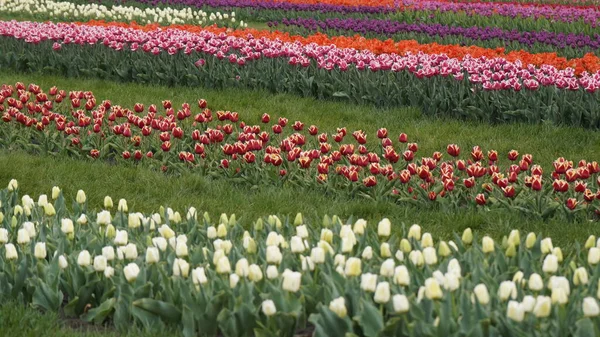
x: 518, y: 277
x: 482, y: 294
x: 298, y: 220
x: 487, y: 244
x: 152, y: 255
x: 530, y: 240
x: 401, y: 276
x: 274, y: 255
x: 515, y: 311
x: 129, y: 251
x: 84, y: 258
x: 558, y: 253
x: 338, y: 306
x: 384, y: 250
x: 166, y: 232
x: 198, y: 276
x: 594, y: 256
x: 122, y: 206
x: 367, y: 253
x: 433, y: 291
x: 507, y: 290
x: 454, y: 268
x: 55, y: 192
x: 121, y: 238
x: 66, y: 226
x: 233, y: 280
x: 181, y: 249
x: 40, y: 250
x: 222, y: 230
x: 416, y: 257
x: 22, y: 237
x: 387, y: 268
x: 268, y: 308
x: 108, y: 252
x: 467, y: 236
x: 382, y: 293
x: 590, y: 307
x: 414, y: 232
x: 291, y: 281
x: 131, y: 272
x: 223, y: 265
x: 511, y: 251
x: 353, y: 267
x: 405, y: 246
x: 580, y: 276
x: 249, y: 245
x: 13, y: 185
x: 80, y: 197
x: 42, y: 200
x: 242, y: 268
x: 426, y: 240
x: 443, y: 249
x: 550, y: 264
x: 559, y: 296
x: 327, y: 235
x: 302, y: 231
x: 590, y: 242
x: 82, y: 220
x: 272, y: 272
x: 108, y: 203
x: 62, y: 262
x: 182, y: 267
x: 535, y: 282
x: 401, y: 304
x: 11, y: 251
x: 384, y: 228
x: 528, y: 303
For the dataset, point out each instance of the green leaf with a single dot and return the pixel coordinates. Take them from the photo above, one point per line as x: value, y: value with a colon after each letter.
x: 99, y: 314
x: 369, y: 319
x: 585, y: 328
x: 168, y: 312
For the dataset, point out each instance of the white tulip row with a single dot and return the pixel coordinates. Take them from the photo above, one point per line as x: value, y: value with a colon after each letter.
x: 70, y: 11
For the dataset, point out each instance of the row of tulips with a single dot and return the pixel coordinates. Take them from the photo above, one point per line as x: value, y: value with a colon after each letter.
x: 279, y: 275
x: 57, y: 10
x: 479, y: 88
x: 277, y: 151
x: 569, y: 45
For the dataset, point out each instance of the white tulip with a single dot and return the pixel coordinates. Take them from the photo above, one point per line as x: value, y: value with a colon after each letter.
x: 121, y: 238
x: 40, y: 250
x: 268, y: 308
x: 359, y: 227
x: 223, y: 265
x: 338, y: 306
x: 11, y: 251
x: 199, y: 276
x: 382, y: 293
x: 109, y: 272
x: 317, y: 255
x: 580, y: 276
x: 181, y: 268
x: 66, y: 226
x: 274, y: 255
x: 528, y: 303
x: 482, y: 294
x: 515, y: 311
x: 3, y: 235
x: 401, y: 276
x: 233, y: 280
x: 152, y: 255
x: 211, y: 232
x: 297, y: 245
x: 594, y: 256
x: 160, y: 243
x: 62, y: 262
x: 400, y: 303
x: 590, y: 307
x: 385, y: 251
x: 81, y: 198
x: 292, y: 281
x: 23, y: 236
x: 302, y: 231
x: 181, y: 249
x: 543, y: 305
x: 546, y: 246
x: 535, y: 282
x: 84, y: 259
x: 414, y: 232
x: 487, y: 244
x: 384, y: 228
x: 103, y: 218
x: 255, y: 273
x: 242, y: 267
x: 416, y: 257
x: 272, y: 272
x: 387, y: 268
x: 100, y: 263
x: 507, y: 289
x: 368, y: 282
x: 353, y: 267
x: 429, y: 256
x: 550, y: 264
x: 432, y: 289
x: 131, y: 272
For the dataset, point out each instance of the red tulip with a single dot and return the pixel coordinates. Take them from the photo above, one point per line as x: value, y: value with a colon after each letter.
x: 403, y: 138
x: 571, y: 175
x: 149, y: 154
x: 404, y: 176
x: 126, y: 155
x: 137, y: 155
x: 224, y: 163
x: 360, y: 136
x: 480, y: 199
x: 413, y: 147
x: 304, y: 162
x: 277, y: 128
x: 432, y: 196
x: 178, y: 132
x: 165, y: 136
x: 166, y: 146
x: 536, y: 170
x: 571, y: 203
x: 509, y: 191
x: 94, y: 153
x: 536, y: 183
x: 469, y: 183
x: 580, y: 186
x: 453, y: 150
x: 476, y: 153
x: 265, y: 118
x: 370, y: 181
x: 202, y: 103
x: 275, y: 159
x: 249, y: 157
x: 589, y: 196
x: 382, y: 133
x: 528, y: 158
x: 323, y: 138
x: 560, y: 185
x: 138, y: 107
x: 408, y: 155
x: 583, y: 173
x: 461, y: 165
x: 448, y: 185
x: 561, y: 165
x: 298, y: 126
x: 282, y: 172
x: 282, y: 121
x: 513, y: 155
x: 313, y: 130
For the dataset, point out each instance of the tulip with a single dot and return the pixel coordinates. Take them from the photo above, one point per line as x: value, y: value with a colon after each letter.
x: 528, y: 303
x: 580, y: 276
x: 511, y: 251
x: 62, y: 262
x: 272, y: 272
x: 221, y: 230
x: 550, y: 264
x: 414, y: 232
x: 129, y: 251
x: 482, y: 294
x: 416, y: 257
x: 103, y: 218
x: 401, y: 276
x: 429, y: 256
x: 274, y: 255
x: 121, y: 238
x: 590, y: 242
x: 382, y: 293
x: 327, y: 235
x: 426, y: 240
x: 557, y: 282
x: 166, y: 232
x: 384, y: 228
x: 242, y: 267
x: 272, y: 239
x: 55, y: 192
x: 13, y: 185
x: 530, y: 240
x: 233, y: 280
x: 359, y: 226
x: 291, y: 281
x: 268, y: 308
x: 223, y: 266
x: 433, y: 291
x: 122, y: 206
x: 11, y: 252
x: 109, y: 272
x: 594, y: 256
x: 100, y: 263
x: 108, y: 203
x: 49, y: 210
x: 84, y: 258
x: 546, y: 246
x: 507, y: 289
x: 405, y: 246
x: 353, y: 267
x: 454, y: 267
x: 559, y: 296
x: 451, y: 282
x: 82, y: 220
x: 254, y: 273
x: 42, y: 200
x: 487, y: 244
x: 338, y: 306
x: 81, y: 198
x: 131, y: 272
x: 317, y: 255
x: 160, y: 243
x: 368, y: 282
x: 23, y: 236
x: 535, y: 282
x: 152, y: 255
x: 3, y: 235
x: 401, y: 304
x: 558, y: 253
x: 182, y: 267
x: 590, y: 307
x: 515, y: 311
x: 444, y: 249
x: 467, y: 236
x: 302, y: 231
x: 249, y: 245
x: 181, y: 249
x: 387, y: 268
x: 198, y: 276
x: 40, y: 250
x: 108, y: 252
x: 514, y: 237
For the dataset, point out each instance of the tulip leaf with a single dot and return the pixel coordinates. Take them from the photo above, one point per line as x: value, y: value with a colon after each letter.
x: 370, y: 319
x: 327, y: 323
x: 46, y: 298
x: 168, y: 312
x: 585, y: 328
x: 99, y: 314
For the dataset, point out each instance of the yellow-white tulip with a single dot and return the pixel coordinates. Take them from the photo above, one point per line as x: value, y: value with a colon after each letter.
x: 353, y: 267
x: 368, y: 282
x: 384, y: 228
x: 84, y: 259
x: 100, y: 263
x: 387, y: 268
x: 382, y: 293
x: 131, y: 272
x: 401, y: 304
x: 338, y: 306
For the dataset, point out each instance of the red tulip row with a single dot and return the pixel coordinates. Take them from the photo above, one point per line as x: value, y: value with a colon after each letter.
x: 186, y: 137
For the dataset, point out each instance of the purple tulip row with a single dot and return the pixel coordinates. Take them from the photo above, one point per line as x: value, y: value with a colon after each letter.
x: 391, y: 27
